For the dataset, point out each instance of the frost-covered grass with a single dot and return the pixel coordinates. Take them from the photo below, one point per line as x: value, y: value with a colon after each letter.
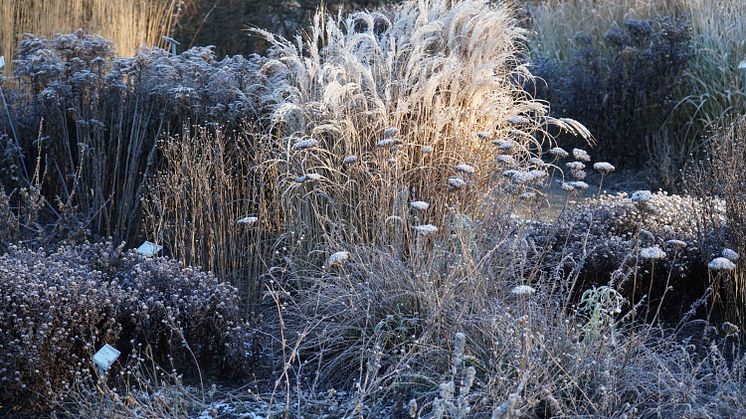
x: 376, y: 191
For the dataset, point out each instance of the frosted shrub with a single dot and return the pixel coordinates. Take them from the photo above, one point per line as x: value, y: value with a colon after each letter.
x: 58, y: 308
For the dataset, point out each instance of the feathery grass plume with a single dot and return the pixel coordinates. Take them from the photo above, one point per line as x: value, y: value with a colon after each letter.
x: 721, y: 264
x: 443, y: 71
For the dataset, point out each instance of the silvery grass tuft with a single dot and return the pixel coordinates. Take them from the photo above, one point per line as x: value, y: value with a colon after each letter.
x: 431, y: 73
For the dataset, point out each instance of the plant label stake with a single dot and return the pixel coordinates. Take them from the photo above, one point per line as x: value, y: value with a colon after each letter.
x: 149, y: 248
x: 105, y: 357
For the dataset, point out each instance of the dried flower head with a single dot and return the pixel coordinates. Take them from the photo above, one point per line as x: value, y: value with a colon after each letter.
x: 575, y: 165
x: 730, y: 254
x: 567, y: 187
x: 305, y: 143
x: 581, y: 155
x: 721, y: 264
x: 308, y: 177
x: 522, y: 290
x: 338, y: 258
x: 390, y: 132
x: 559, y: 152
x: 420, y: 205
x: 603, y: 167
x: 388, y: 142
x: 506, y: 159
x: 426, y: 229
x: 652, y: 253
x: 504, y: 145
x: 484, y: 135
x: 463, y: 167
x: 579, y: 185
x: 641, y: 196
x: 426, y: 149
x: 247, y: 220
x: 677, y: 244
x: 519, y: 120
x: 456, y: 182
x: 350, y: 159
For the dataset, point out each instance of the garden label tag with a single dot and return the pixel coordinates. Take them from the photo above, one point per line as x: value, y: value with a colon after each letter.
x: 149, y: 248
x: 106, y: 356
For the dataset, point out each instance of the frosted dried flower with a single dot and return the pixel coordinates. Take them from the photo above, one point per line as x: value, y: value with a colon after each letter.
x: 652, y: 253
x: 578, y: 174
x: 604, y: 167
x: 484, y: 135
x: 522, y: 290
x: 537, y: 161
x: 504, y: 145
x: 309, y: 177
x: 575, y: 165
x: 527, y: 195
x: 387, y: 142
x: 247, y: 220
x: 463, y: 167
x: 350, y: 159
x: 677, y: 244
x: 721, y: 264
x: 729, y: 328
x: 579, y: 185
x: 426, y: 229
x: 338, y: 258
x: 390, y: 132
x: 558, y: 152
x: 730, y: 254
x: 426, y: 149
x: 420, y: 205
x: 567, y: 187
x: 641, y: 196
x: 305, y: 143
x: 456, y: 182
x: 506, y: 159
x: 580, y: 154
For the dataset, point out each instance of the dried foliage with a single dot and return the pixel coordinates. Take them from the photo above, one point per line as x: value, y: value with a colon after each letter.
x: 58, y: 308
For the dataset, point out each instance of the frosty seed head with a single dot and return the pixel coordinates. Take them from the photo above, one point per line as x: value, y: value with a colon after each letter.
x: 305, y: 143
x: 721, y: 264
x: 652, y: 253
x: 641, y: 196
x: 390, y: 132
x: 338, y: 258
x: 730, y: 254
x: 426, y: 229
x: 581, y: 155
x: 420, y: 205
x: 522, y: 290
x: 603, y: 167
x: 456, y: 182
x: 350, y: 159
x: 558, y: 152
x: 426, y: 149
x: 247, y: 220
x: 463, y: 167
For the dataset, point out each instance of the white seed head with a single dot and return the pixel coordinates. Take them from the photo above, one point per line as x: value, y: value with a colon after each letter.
x: 420, y: 205
x: 456, y: 182
x: 581, y: 155
x: 426, y: 149
x: 338, y: 258
x: 567, y: 187
x: 730, y: 254
x: 426, y: 229
x: 721, y: 264
x: 350, y: 159
x: 527, y: 195
x: 388, y: 142
x: 603, y: 167
x: 558, y: 152
x: 519, y: 120
x: 579, y: 185
x: 575, y: 165
x: 652, y: 253
x: 506, y: 159
x: 463, y: 167
x: 484, y: 135
x: 536, y: 161
x: 504, y: 145
x: 247, y: 220
x: 641, y: 196
x: 309, y: 177
x: 522, y: 290
x: 390, y: 132
x: 305, y: 143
